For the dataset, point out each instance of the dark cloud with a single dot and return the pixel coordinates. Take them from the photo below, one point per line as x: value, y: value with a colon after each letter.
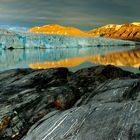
x: 78, y: 13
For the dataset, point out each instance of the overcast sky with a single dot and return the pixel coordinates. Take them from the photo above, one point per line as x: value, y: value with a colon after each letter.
x: 84, y: 14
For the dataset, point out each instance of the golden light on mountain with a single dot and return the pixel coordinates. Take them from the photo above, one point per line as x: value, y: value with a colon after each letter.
x: 57, y: 29
x: 129, y: 31
x: 126, y: 58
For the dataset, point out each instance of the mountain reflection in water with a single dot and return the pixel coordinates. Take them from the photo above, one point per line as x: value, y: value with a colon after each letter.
x: 125, y: 58
x: 129, y: 58
x: 73, y: 58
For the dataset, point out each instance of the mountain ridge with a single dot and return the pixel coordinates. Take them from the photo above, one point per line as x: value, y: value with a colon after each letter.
x: 129, y: 31
x: 58, y: 29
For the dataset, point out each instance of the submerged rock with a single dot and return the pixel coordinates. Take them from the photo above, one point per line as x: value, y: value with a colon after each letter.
x: 100, y: 103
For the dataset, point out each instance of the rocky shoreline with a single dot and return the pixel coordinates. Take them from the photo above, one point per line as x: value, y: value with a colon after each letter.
x: 97, y: 103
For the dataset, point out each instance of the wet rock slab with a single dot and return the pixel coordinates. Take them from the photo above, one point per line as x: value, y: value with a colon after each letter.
x: 100, y: 103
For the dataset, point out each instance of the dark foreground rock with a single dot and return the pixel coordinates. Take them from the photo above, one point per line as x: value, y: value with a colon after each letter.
x: 97, y: 103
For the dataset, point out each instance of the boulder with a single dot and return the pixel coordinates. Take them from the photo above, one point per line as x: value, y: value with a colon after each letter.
x: 100, y: 102
x: 109, y: 112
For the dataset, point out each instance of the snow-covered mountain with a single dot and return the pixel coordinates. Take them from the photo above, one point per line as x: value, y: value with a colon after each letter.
x: 130, y: 31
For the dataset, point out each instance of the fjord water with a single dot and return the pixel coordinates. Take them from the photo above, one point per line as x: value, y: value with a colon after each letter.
x: 23, y: 58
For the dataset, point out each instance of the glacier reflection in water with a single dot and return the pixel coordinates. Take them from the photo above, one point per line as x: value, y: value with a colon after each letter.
x: 20, y: 58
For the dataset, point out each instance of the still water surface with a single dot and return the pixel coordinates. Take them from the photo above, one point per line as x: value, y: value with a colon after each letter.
x: 73, y: 58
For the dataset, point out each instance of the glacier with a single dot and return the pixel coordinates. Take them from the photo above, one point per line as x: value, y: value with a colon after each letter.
x: 22, y: 39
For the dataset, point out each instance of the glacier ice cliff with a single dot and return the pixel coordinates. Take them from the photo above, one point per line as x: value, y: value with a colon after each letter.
x: 14, y: 39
